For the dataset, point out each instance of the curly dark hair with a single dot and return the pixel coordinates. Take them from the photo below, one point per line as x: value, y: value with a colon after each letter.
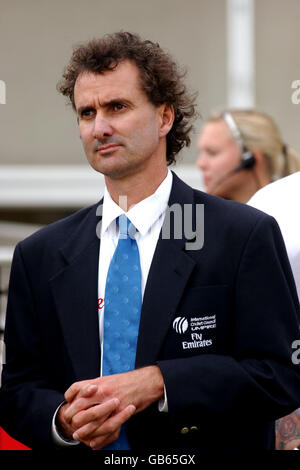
x: 161, y: 78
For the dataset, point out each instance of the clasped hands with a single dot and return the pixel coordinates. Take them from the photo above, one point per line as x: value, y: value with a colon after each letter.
x: 96, y: 409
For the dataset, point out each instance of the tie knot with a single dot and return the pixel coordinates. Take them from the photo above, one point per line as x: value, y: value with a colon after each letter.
x: 126, y: 228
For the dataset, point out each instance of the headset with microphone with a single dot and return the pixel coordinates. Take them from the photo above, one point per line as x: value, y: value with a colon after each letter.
x: 247, y: 158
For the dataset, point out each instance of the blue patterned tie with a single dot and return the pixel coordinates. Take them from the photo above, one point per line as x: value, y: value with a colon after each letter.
x: 122, y: 310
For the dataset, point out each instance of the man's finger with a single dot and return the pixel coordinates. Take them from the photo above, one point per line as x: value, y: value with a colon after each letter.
x: 86, y: 422
x: 106, y: 440
x: 72, y: 391
x: 77, y: 405
x: 111, y: 426
x: 84, y: 388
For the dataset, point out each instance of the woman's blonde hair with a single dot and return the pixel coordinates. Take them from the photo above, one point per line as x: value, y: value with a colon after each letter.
x: 259, y: 132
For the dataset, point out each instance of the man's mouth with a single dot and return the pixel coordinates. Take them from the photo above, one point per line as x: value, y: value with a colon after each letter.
x: 105, y: 149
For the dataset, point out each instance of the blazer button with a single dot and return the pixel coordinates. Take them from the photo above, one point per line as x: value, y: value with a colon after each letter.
x: 184, y: 430
x: 194, y: 428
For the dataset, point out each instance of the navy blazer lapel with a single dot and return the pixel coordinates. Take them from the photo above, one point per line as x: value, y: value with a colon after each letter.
x: 75, y: 291
x: 169, y: 272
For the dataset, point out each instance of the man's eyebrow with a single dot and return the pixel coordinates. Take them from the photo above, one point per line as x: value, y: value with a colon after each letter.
x: 117, y: 100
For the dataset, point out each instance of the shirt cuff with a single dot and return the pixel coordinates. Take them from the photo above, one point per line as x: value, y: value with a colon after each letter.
x: 163, y: 402
x: 57, y: 438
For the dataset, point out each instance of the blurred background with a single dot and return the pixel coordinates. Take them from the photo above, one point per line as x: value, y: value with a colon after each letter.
x: 238, y: 53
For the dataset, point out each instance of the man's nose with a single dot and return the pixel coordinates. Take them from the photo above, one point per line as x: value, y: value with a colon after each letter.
x: 102, y: 127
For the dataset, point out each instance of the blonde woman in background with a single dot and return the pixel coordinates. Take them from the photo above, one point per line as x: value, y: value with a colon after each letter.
x: 241, y: 151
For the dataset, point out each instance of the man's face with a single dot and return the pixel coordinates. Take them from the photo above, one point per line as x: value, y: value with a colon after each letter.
x: 119, y: 127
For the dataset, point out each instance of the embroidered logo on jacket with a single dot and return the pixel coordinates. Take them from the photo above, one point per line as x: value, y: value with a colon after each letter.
x: 201, y: 325
x: 180, y: 325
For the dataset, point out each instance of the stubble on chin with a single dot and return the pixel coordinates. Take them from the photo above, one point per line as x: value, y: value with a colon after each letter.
x: 112, y: 167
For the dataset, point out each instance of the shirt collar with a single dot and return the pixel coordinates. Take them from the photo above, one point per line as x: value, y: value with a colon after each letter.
x: 142, y: 215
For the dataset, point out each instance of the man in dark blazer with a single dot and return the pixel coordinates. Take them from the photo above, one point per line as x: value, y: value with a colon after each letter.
x: 214, y: 347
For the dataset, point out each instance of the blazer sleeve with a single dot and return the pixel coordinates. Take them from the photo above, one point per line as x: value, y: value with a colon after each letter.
x: 28, y: 398
x: 259, y: 378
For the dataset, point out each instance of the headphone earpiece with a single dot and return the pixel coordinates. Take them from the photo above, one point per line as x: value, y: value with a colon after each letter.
x: 248, y: 159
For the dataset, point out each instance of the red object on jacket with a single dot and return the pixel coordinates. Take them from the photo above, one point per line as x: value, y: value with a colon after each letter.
x: 8, y: 443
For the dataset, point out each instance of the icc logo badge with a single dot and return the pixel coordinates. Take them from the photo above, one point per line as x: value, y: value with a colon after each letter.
x: 180, y: 325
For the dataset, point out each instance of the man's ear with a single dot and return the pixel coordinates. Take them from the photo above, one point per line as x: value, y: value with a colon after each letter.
x: 167, y: 116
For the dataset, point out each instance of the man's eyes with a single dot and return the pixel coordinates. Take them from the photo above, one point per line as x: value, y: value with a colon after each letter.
x: 112, y: 107
x: 87, y: 112
x: 118, y: 106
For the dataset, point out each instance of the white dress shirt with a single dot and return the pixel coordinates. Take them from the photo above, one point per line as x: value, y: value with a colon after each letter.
x: 147, y: 216
x: 281, y: 199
